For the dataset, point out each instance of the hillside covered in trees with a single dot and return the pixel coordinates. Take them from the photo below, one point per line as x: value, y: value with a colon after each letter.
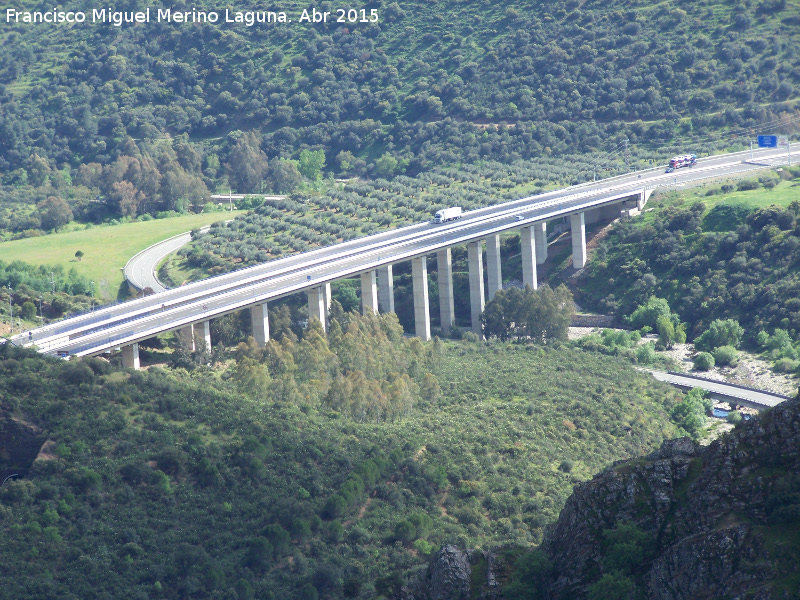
x: 151, y: 117
x: 315, y: 467
x: 736, y: 260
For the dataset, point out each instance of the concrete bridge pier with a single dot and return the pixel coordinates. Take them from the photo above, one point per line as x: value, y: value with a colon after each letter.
x: 202, y: 331
x: 385, y: 289
x: 476, y: 298
x: 527, y: 241
x: 578, y: 226
x: 259, y: 321
x: 326, y: 294
x: 422, y: 316
x: 316, y: 305
x: 369, y: 293
x: 186, y: 337
x: 447, y: 312
x: 493, y: 265
x: 130, y: 356
x: 540, y: 236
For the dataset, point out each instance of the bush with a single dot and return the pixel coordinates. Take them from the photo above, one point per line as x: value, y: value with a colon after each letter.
x: 703, y: 361
x: 734, y: 417
x: 646, y: 354
x: 726, y: 355
x: 786, y: 365
x: 747, y: 184
x: 647, y: 314
x: 721, y: 332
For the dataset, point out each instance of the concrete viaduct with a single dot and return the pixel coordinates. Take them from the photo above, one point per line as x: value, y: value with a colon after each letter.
x: 188, y: 309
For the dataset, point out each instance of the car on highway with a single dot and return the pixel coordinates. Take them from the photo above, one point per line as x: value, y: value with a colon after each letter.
x: 519, y: 217
x: 669, y: 170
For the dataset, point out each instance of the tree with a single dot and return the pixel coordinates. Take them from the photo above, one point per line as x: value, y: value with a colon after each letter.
x: 79, y: 255
x: 285, y: 176
x: 721, y: 332
x: 38, y: 170
x: 542, y: 315
x: 666, y: 330
x: 126, y: 198
x: 311, y: 163
x: 647, y: 314
x: 259, y: 553
x: 386, y: 165
x: 54, y: 213
x: 28, y: 311
x: 247, y: 164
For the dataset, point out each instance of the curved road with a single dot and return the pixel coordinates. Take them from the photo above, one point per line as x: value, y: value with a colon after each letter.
x: 142, y: 318
x: 141, y: 269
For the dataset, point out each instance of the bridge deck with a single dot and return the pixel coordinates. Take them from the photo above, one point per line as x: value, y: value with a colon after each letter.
x: 744, y: 395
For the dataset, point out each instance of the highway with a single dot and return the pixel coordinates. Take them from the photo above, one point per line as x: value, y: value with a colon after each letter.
x: 139, y: 319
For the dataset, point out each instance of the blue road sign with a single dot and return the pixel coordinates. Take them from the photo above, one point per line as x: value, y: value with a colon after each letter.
x: 768, y: 141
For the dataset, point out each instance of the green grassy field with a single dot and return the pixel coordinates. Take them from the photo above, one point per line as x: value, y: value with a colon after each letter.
x: 782, y: 195
x: 106, y: 249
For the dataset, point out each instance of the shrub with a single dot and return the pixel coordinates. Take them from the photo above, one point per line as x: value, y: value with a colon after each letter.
x: 747, y: 184
x: 703, y: 361
x: 566, y: 466
x: 726, y: 355
x: 646, y: 354
x: 646, y: 315
x: 721, y: 332
x: 786, y: 365
x: 734, y: 417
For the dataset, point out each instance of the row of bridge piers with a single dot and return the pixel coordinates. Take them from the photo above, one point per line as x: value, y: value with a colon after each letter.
x: 377, y: 287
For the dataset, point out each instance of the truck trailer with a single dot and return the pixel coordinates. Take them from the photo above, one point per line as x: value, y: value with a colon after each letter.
x: 447, y: 214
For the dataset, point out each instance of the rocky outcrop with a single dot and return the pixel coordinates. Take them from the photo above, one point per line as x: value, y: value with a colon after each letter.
x: 19, y: 444
x: 705, y: 510
x: 451, y: 574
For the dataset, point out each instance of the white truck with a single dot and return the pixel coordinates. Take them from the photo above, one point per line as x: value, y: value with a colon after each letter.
x: 447, y: 214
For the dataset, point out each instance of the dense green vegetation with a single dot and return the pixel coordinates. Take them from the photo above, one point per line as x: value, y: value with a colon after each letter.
x: 100, y: 121
x: 328, y: 463
x: 717, y: 275
x: 34, y: 292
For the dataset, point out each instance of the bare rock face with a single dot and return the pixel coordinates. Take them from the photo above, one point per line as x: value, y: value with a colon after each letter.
x: 705, y: 510
x: 450, y: 574
x: 19, y: 444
